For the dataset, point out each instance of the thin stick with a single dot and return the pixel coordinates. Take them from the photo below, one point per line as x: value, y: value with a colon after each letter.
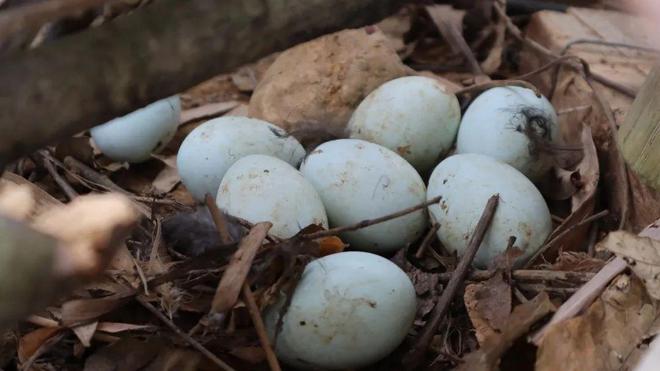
x: 219, y: 219
x: 563, y: 234
x: 87, y: 172
x: 194, y: 343
x: 414, y: 357
x: 547, y: 53
x: 61, y: 182
x: 527, y: 275
x: 369, y: 222
x: 608, y: 43
x: 258, y: 322
x: 428, y: 239
x: 478, y: 88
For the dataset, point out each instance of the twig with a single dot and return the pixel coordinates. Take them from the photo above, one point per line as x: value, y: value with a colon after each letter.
x: 539, y: 287
x: 548, y: 54
x: 219, y: 219
x: 87, y: 172
x: 478, y: 88
x: 369, y: 222
x: 608, y: 43
x: 414, y: 357
x: 454, y: 37
x: 61, y: 182
x: 258, y: 322
x: 527, y: 275
x: 557, y: 61
x: 584, y: 296
x: 194, y: 343
x: 428, y: 239
x: 563, y: 234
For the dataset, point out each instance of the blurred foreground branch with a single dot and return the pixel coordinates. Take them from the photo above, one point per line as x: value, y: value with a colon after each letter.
x: 86, y: 79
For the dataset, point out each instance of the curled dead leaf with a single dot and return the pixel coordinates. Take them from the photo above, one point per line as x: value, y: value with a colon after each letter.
x: 642, y: 255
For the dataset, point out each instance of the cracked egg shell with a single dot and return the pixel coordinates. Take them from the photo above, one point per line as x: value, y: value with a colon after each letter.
x: 498, y: 124
x: 414, y: 116
x: 466, y: 182
x: 358, y: 180
x: 262, y: 188
x: 349, y: 310
x: 211, y: 148
x: 135, y: 136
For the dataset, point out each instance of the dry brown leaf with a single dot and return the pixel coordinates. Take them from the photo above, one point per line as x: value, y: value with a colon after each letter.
x: 487, y: 358
x: 330, y: 245
x: 175, y: 360
x: 605, y: 335
x: 168, y: 177
x: 117, y: 327
x: 488, y: 304
x: 127, y: 354
x: 207, y: 111
x: 79, y: 311
x: 238, y: 268
x: 642, y: 255
x: 85, y: 332
x: 253, y: 355
x: 582, y: 202
x: 32, y: 341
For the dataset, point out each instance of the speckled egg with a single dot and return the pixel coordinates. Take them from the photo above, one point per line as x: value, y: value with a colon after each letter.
x: 349, y: 310
x: 414, y: 116
x: 211, y: 148
x: 466, y: 182
x: 358, y: 180
x: 262, y: 188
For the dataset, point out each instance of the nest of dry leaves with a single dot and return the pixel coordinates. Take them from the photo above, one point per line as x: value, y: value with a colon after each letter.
x: 186, y: 288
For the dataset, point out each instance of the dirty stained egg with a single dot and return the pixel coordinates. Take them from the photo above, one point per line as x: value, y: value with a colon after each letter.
x: 511, y: 124
x: 211, y: 148
x: 135, y: 136
x: 414, y: 116
x: 262, y: 188
x: 358, y: 180
x: 465, y: 182
x: 349, y: 310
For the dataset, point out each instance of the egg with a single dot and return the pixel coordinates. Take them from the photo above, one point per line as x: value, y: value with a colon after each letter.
x: 414, y: 116
x: 499, y: 122
x: 134, y: 137
x: 263, y: 188
x: 349, y: 310
x: 466, y: 182
x: 211, y: 148
x: 358, y: 180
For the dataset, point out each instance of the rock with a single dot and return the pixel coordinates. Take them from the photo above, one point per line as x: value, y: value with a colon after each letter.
x: 317, y: 85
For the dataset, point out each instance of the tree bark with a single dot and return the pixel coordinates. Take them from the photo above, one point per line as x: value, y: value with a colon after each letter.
x: 86, y: 79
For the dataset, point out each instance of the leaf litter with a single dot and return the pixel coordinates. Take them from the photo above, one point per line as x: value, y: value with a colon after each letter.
x: 176, y: 263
